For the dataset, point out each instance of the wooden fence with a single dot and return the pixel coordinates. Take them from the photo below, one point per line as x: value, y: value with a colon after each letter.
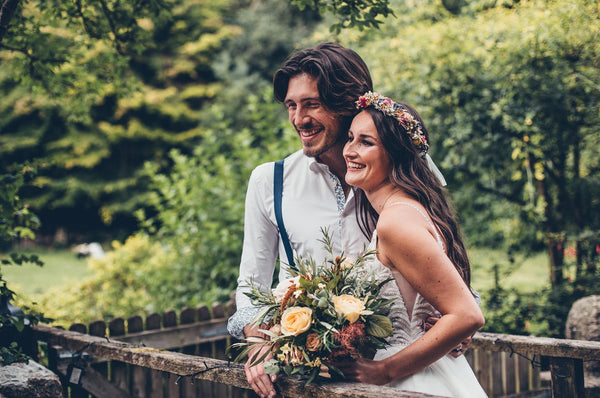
x: 183, y: 355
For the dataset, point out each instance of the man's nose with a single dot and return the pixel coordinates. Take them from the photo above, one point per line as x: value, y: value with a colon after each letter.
x: 300, y: 116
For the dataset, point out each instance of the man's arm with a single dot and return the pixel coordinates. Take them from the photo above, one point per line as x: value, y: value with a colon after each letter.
x: 260, y: 248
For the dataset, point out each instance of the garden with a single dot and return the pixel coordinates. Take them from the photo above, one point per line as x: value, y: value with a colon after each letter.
x: 137, y: 125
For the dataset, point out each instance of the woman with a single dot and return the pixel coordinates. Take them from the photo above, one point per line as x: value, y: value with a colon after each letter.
x: 418, y: 243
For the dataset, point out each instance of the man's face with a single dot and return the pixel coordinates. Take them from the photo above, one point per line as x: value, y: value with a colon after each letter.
x: 318, y: 127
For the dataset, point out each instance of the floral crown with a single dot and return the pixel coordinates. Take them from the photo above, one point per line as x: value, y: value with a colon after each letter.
x: 400, y: 113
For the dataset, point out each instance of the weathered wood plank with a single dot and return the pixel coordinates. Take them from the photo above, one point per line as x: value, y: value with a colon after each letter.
x: 96, y: 384
x: 173, y: 389
x: 205, y: 387
x: 187, y: 317
x: 139, y: 382
x: 567, y: 377
x: 218, y: 371
x: 180, y: 336
x: 157, y: 385
x: 510, y: 366
x: 118, y: 370
x: 561, y: 348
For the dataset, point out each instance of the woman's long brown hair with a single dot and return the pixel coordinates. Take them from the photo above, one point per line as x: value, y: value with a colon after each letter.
x: 411, y: 173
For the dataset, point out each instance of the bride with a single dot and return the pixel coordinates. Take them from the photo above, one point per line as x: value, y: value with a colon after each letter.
x: 418, y: 243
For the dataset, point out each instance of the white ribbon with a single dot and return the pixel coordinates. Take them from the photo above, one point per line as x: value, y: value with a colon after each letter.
x: 435, y: 170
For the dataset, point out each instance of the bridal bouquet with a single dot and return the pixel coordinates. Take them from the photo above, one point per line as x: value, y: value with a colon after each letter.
x: 325, y: 312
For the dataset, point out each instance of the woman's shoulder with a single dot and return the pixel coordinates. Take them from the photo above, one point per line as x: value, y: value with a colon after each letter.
x: 403, y: 223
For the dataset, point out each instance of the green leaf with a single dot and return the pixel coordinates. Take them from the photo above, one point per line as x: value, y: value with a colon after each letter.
x: 379, y: 326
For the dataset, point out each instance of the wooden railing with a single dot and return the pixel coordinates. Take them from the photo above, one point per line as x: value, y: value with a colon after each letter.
x: 125, y: 358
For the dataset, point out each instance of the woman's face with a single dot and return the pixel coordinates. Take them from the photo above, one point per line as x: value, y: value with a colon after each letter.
x: 368, y: 164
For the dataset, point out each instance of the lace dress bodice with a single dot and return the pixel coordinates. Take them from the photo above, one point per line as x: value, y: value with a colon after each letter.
x: 407, y: 325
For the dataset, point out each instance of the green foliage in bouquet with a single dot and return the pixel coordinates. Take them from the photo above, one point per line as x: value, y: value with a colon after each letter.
x: 325, y: 312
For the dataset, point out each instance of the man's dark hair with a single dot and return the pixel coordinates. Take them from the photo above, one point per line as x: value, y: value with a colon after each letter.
x: 342, y: 76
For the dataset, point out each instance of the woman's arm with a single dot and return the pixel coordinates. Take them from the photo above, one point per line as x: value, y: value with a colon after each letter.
x: 408, y: 245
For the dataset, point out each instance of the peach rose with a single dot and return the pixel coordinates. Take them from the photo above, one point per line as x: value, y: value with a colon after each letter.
x: 313, y: 342
x: 296, y: 320
x: 349, y: 306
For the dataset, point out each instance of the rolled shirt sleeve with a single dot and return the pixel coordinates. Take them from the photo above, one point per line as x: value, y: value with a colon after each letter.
x: 260, y: 247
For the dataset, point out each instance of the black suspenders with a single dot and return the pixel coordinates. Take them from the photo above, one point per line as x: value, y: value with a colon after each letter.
x: 277, y: 193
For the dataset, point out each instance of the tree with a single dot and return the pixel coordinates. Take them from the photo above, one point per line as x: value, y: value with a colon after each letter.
x: 16, y: 222
x: 97, y: 89
x: 512, y: 103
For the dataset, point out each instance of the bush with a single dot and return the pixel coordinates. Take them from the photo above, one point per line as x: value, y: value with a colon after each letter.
x: 127, y: 281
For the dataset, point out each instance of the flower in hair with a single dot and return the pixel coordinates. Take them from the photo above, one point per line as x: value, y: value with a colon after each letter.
x: 399, y: 112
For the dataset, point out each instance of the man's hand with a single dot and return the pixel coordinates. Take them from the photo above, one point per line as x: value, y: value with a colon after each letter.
x: 261, y: 383
x: 456, y: 351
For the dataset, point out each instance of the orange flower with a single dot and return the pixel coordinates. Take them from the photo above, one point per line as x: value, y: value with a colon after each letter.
x: 296, y: 320
x: 313, y: 342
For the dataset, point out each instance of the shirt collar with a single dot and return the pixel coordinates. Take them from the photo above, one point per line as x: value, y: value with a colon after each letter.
x: 313, y: 165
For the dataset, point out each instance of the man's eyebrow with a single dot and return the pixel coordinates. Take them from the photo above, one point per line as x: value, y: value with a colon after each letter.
x: 303, y: 99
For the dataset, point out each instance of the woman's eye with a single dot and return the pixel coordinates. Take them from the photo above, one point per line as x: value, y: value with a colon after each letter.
x: 367, y: 143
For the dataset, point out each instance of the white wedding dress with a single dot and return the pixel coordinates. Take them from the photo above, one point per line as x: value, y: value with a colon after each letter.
x: 448, y: 376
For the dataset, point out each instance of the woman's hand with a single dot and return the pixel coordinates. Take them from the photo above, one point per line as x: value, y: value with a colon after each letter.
x: 261, y: 383
x: 364, y: 371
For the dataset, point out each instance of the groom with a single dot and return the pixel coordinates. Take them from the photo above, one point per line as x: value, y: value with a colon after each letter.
x: 319, y: 87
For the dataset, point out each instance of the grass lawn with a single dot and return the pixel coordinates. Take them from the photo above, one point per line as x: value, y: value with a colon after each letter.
x: 526, y: 274
x: 60, y: 267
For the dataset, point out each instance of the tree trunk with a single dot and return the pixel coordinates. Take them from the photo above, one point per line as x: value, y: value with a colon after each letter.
x: 6, y: 12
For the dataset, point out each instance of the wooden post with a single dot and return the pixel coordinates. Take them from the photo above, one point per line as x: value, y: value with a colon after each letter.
x: 484, y: 370
x: 567, y: 377
x: 188, y: 385
x: 496, y: 373
x: 173, y: 389
x: 510, y: 376
x: 205, y: 388
x: 139, y: 387
x: 118, y: 370
x: 157, y: 385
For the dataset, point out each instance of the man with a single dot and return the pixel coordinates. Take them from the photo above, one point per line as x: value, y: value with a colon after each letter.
x: 319, y: 87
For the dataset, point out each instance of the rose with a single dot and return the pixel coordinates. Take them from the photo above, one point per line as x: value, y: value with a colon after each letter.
x: 313, y: 342
x: 296, y: 320
x: 283, y: 287
x: 348, y: 306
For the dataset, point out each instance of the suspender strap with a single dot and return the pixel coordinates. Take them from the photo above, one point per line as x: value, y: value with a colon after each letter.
x: 278, y: 193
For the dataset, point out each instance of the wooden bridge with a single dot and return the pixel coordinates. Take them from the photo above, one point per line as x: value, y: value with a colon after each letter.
x: 183, y: 355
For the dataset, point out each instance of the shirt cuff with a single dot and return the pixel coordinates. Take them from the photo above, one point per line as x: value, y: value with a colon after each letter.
x: 241, y: 318
x: 477, y: 296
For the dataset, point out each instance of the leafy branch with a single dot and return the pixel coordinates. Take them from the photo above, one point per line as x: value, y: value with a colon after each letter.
x: 350, y: 13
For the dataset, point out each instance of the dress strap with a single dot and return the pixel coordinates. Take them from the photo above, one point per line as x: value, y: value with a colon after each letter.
x: 425, y: 216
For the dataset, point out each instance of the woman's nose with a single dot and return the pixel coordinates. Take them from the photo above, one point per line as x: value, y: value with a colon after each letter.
x: 349, y: 149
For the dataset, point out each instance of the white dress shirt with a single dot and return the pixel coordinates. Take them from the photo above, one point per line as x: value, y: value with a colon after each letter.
x: 312, y: 198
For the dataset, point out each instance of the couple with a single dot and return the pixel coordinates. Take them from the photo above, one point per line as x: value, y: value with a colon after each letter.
x: 352, y: 137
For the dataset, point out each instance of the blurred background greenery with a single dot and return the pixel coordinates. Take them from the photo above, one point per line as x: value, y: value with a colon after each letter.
x: 144, y: 119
